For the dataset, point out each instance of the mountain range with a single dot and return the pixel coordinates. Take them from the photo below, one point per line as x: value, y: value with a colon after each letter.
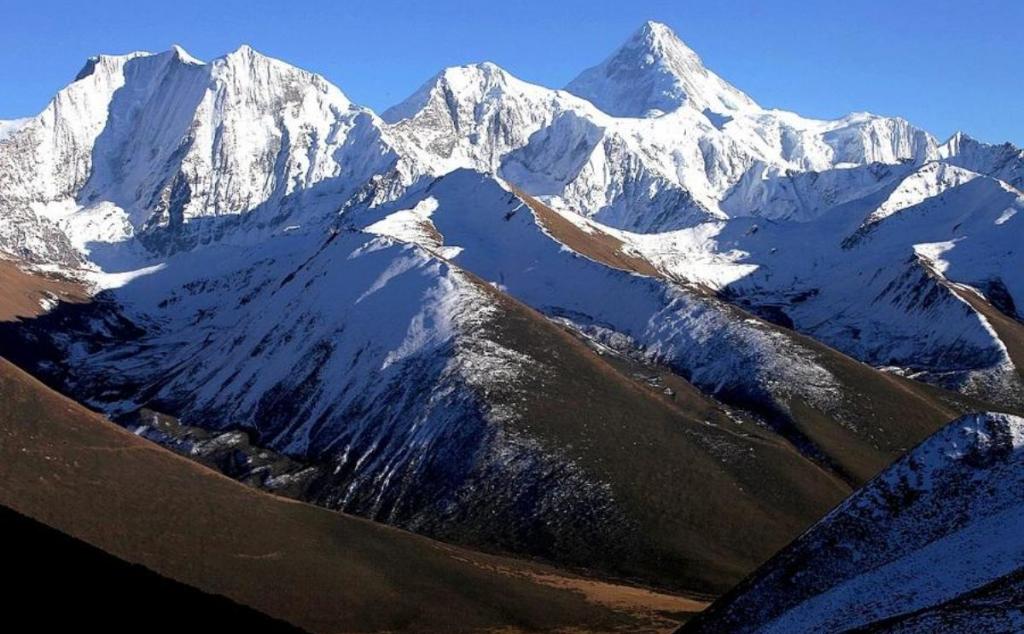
x: 640, y: 328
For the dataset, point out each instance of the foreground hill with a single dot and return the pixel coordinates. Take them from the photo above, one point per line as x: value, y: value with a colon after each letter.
x: 933, y: 544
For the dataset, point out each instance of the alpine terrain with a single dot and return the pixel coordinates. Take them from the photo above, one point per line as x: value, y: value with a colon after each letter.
x: 605, y: 349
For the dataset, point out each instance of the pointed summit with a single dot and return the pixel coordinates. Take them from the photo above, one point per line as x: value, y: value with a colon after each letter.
x: 653, y: 73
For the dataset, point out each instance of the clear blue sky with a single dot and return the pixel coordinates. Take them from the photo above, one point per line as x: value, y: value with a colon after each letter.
x: 943, y: 64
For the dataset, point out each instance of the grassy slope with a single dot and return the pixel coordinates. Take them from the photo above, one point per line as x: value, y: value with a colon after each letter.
x: 710, y: 498
x: 326, y: 572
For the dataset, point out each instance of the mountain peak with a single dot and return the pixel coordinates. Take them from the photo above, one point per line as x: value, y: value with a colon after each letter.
x: 653, y: 26
x: 472, y: 81
x: 480, y: 71
x: 184, y: 56
x: 246, y: 54
x: 107, y: 62
x: 243, y: 52
x: 659, y: 37
x: 653, y: 73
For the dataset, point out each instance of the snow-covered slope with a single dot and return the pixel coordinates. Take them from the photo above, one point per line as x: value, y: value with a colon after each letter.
x: 9, y: 127
x: 482, y: 226
x: 932, y: 544
x: 1004, y: 162
x: 879, y: 276
x: 391, y: 358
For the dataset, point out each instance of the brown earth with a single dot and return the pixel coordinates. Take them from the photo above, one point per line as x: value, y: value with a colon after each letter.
x: 21, y: 292
x: 709, y: 496
x: 598, y: 246
x: 1009, y: 330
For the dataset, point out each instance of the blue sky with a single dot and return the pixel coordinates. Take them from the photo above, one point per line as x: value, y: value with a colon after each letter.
x: 943, y: 64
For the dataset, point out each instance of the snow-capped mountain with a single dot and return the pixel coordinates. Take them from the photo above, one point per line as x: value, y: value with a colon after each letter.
x: 458, y: 312
x: 933, y: 544
x: 690, y: 163
x: 916, y: 272
x: 148, y: 145
x: 246, y: 133
x: 1004, y: 162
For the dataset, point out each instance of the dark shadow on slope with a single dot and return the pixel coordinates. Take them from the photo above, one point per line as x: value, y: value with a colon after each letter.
x: 58, y: 583
x: 565, y: 145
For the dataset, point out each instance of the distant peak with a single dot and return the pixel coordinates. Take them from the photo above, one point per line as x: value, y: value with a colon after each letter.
x: 653, y: 73
x: 479, y: 79
x: 655, y: 31
x: 960, y: 137
x: 248, y: 54
x: 659, y: 39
